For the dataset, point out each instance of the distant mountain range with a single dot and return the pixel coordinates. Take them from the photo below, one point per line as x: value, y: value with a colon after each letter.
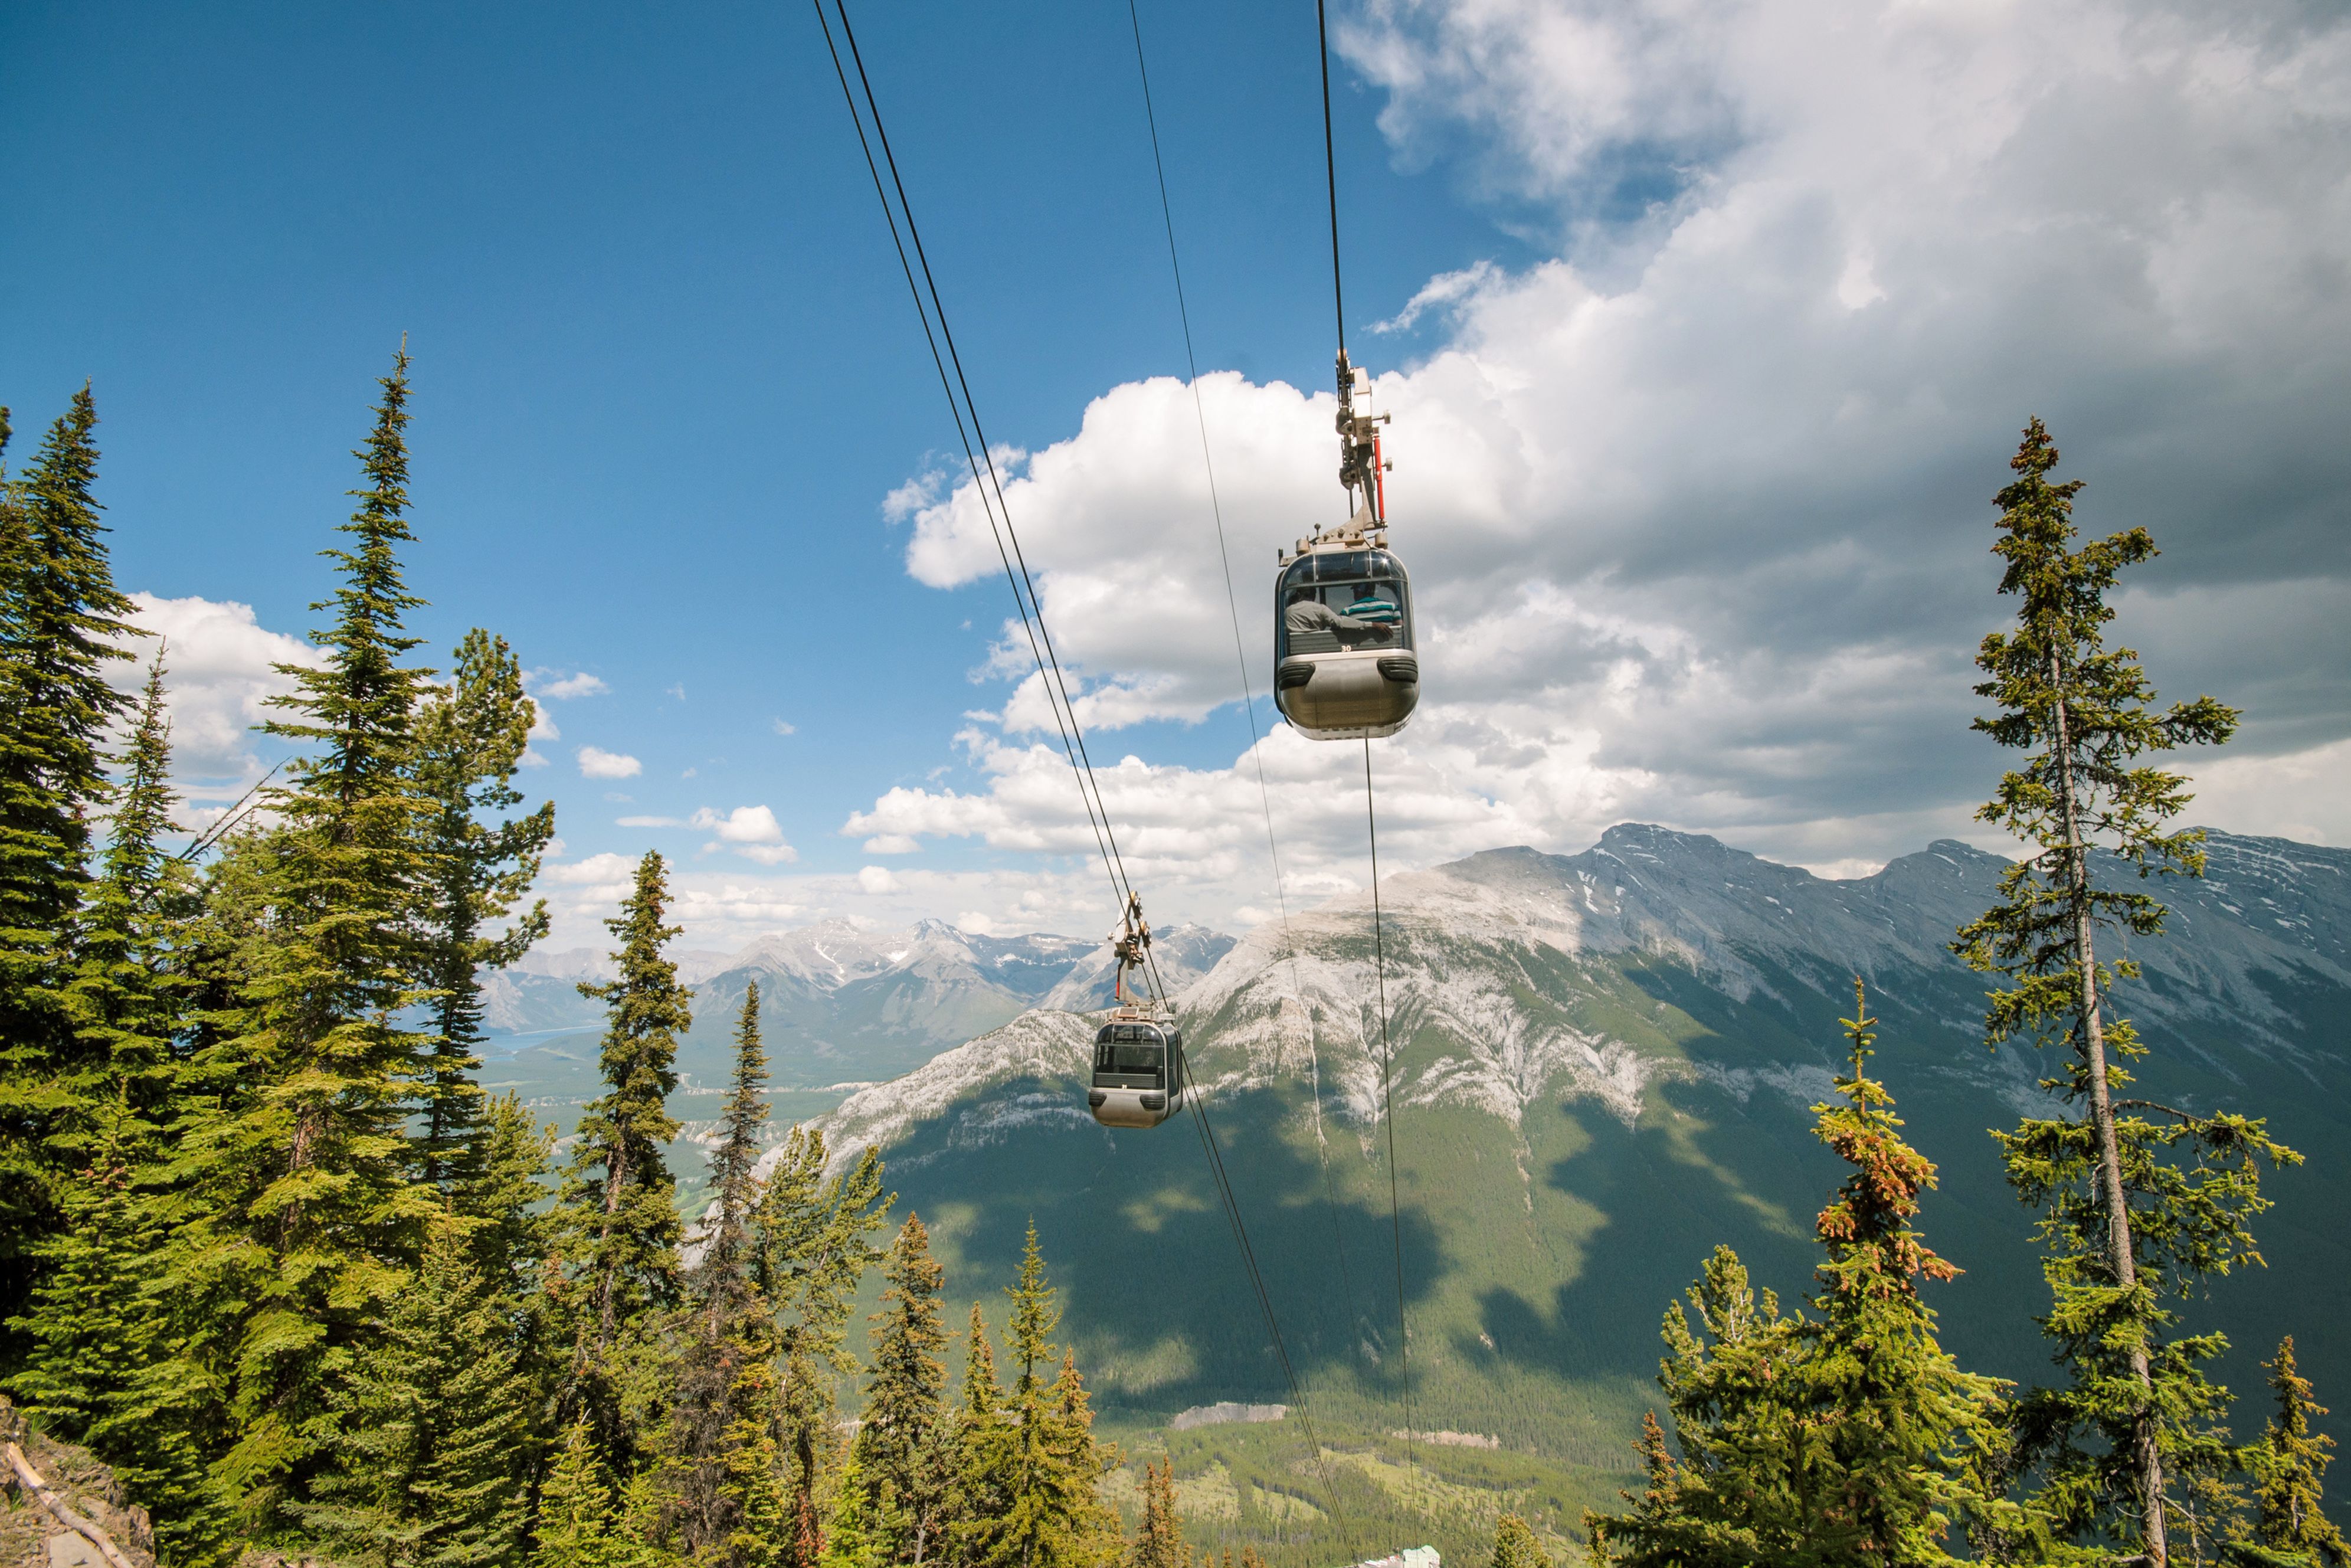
x: 1603, y: 1067
x: 844, y: 1002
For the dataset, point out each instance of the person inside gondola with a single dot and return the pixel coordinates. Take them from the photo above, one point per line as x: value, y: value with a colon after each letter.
x: 1372, y: 606
x: 1307, y: 614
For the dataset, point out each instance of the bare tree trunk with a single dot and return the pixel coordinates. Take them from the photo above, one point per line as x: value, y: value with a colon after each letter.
x: 2102, y: 1120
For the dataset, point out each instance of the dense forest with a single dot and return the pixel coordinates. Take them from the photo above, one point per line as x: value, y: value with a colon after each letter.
x: 269, y: 1250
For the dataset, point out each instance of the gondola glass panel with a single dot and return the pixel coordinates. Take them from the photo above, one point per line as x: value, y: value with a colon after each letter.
x: 1138, y: 1078
x: 1344, y: 665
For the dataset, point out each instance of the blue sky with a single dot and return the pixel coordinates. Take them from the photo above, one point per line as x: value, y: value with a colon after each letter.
x: 667, y: 375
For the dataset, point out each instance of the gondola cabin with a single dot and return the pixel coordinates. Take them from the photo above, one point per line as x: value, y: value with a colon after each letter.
x: 1138, y: 1073
x: 1344, y: 666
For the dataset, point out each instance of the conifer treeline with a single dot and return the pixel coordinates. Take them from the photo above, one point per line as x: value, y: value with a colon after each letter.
x: 268, y: 1249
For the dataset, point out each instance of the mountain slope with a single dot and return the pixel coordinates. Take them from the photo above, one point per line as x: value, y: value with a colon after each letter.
x: 1602, y: 1065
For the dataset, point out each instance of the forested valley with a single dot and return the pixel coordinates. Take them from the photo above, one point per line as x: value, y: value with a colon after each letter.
x: 269, y: 1250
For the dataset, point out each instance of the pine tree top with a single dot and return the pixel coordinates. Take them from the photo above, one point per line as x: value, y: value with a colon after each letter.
x: 1872, y: 1249
x: 1034, y: 1316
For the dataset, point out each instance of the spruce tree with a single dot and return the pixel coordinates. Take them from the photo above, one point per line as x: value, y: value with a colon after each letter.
x: 810, y: 1240
x: 2288, y: 1464
x: 576, y: 1524
x: 618, y: 1209
x: 126, y: 1005
x: 62, y: 623
x: 858, y: 1532
x: 302, y: 1218
x: 1515, y: 1545
x: 470, y: 739
x: 1159, y: 1535
x: 99, y: 1334
x: 102, y: 1370
x: 719, y: 1464
x: 1037, y: 1464
x: 435, y: 1455
x: 901, y: 1449
x: 1850, y: 1437
x: 976, y: 1492
x: 2140, y: 1202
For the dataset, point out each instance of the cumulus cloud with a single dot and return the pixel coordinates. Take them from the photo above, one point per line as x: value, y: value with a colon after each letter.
x: 891, y: 844
x: 877, y: 879
x: 553, y: 683
x: 751, y: 831
x: 1446, y: 289
x: 1697, y: 509
x: 595, y: 762
x: 220, y: 672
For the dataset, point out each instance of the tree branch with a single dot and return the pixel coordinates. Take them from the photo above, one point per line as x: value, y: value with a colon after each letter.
x: 85, y: 1528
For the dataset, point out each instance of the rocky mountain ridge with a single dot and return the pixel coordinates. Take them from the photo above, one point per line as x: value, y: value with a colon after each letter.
x: 1602, y: 1065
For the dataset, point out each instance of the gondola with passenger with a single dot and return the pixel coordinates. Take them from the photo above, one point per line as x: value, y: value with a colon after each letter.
x: 1346, y: 666
x: 1138, y: 1069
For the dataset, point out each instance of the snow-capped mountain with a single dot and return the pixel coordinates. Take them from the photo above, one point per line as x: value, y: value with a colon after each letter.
x: 1603, y: 1064
x: 844, y: 1001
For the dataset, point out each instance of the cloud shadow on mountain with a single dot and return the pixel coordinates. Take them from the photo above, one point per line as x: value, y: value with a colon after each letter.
x: 1136, y: 1236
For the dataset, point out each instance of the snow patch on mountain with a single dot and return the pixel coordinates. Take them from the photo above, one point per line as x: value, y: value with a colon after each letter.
x: 1514, y: 1061
x: 1041, y: 1044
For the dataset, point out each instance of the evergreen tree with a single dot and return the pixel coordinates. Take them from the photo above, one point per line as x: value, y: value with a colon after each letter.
x: 720, y: 1465
x: 1159, y: 1538
x: 1515, y: 1545
x: 303, y: 1217
x: 901, y: 1450
x: 102, y: 1372
x: 577, y: 1528
x: 123, y: 1000
x: 1038, y: 1466
x: 470, y: 739
x: 506, y: 1234
x: 2140, y: 1202
x: 810, y: 1237
x: 2288, y: 1464
x: 618, y: 1208
x: 96, y: 1332
x: 62, y: 622
x: 976, y: 1490
x: 859, y: 1533
x: 434, y: 1449
x: 1850, y: 1438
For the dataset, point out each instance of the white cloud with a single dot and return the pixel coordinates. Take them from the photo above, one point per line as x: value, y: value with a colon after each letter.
x: 552, y: 683
x: 595, y: 762
x: 1698, y: 512
x: 891, y: 844
x: 780, y: 728
x: 601, y: 871
x: 752, y: 831
x: 219, y: 673
x: 743, y: 825
x: 650, y: 822
x: 877, y: 879
x: 1446, y: 289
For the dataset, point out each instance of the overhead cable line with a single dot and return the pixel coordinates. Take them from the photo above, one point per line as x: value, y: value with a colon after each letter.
x: 1388, y: 1105
x: 986, y: 482
x: 1241, y: 657
x: 1330, y: 173
x: 1370, y: 813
